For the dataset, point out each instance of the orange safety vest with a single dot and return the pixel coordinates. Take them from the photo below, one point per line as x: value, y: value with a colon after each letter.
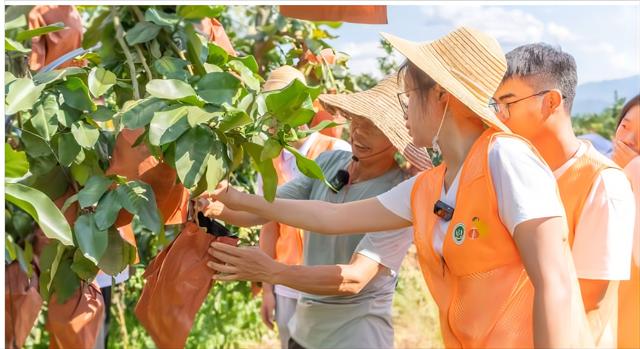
x: 289, y: 242
x: 574, y: 186
x: 483, y: 292
x: 629, y: 303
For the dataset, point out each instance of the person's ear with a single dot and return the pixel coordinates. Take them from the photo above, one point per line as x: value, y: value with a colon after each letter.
x: 551, y: 102
x: 441, y: 94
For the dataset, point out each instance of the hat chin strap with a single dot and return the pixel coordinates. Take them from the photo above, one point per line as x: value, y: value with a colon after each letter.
x: 434, y: 143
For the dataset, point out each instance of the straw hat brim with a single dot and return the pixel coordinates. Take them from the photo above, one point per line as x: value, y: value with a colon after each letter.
x: 426, y: 60
x: 380, y: 105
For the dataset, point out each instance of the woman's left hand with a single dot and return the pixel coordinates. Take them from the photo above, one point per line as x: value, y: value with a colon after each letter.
x: 622, y: 153
x: 242, y: 263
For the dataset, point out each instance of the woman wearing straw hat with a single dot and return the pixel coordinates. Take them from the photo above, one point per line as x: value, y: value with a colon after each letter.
x: 489, y: 225
x: 347, y: 281
x: 282, y: 242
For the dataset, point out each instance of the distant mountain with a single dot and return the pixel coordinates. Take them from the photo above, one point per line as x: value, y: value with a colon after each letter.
x: 593, y: 97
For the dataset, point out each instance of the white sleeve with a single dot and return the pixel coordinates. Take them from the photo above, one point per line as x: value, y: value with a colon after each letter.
x: 398, y: 199
x: 604, y: 233
x: 386, y: 248
x: 341, y: 145
x: 525, y: 186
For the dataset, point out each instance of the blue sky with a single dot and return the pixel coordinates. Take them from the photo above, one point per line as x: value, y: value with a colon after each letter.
x: 604, y: 39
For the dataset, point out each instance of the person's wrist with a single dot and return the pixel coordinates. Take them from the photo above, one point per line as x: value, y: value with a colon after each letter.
x: 277, y: 274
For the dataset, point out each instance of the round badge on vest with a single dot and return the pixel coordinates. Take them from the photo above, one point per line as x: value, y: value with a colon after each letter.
x: 458, y: 234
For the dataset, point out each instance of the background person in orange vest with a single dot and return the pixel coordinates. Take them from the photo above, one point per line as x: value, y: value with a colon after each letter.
x: 279, y: 241
x: 626, y: 153
x: 489, y: 225
x: 347, y: 282
x: 534, y: 100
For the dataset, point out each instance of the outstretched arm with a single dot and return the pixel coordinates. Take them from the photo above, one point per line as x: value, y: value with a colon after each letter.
x: 318, y: 216
x: 252, y: 264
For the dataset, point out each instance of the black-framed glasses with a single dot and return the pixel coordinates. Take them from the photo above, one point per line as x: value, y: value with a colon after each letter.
x: 503, y: 108
x: 403, y: 99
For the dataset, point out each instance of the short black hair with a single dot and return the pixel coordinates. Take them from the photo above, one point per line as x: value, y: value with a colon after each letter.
x: 545, y: 66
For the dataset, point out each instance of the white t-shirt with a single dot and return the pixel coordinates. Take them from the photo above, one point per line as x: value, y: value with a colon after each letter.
x: 632, y: 170
x: 290, y: 169
x: 525, y: 189
x: 604, y: 231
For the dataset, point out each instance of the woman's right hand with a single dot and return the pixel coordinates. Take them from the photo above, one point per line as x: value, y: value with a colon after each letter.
x: 268, y: 308
x: 225, y: 194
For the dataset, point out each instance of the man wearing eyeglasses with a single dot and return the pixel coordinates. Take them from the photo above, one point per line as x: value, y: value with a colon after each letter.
x: 534, y: 101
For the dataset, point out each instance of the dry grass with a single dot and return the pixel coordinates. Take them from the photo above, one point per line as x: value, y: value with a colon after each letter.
x: 415, y: 315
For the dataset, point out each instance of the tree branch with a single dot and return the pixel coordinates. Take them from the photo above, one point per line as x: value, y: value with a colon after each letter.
x: 125, y: 49
x: 144, y: 63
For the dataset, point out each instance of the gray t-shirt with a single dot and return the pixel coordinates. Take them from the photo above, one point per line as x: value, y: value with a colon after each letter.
x: 362, y: 320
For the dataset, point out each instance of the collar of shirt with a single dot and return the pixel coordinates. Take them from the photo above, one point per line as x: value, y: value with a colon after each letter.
x: 562, y: 169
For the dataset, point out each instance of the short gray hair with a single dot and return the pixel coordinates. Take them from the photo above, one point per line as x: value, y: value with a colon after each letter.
x: 546, y: 67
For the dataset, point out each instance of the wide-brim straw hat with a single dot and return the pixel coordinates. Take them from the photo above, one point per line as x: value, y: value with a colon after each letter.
x: 380, y: 105
x: 467, y: 63
x: 282, y: 76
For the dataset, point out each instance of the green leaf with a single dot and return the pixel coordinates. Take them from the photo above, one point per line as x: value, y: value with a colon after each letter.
x: 170, y: 89
x: 272, y: 148
x: 192, y: 150
x: 91, y: 240
x: 15, y: 162
x: 22, y: 95
x: 248, y: 77
x: 107, y: 210
x: 293, y: 104
x: 42, y: 209
x: 55, y: 75
x: 15, y: 17
x: 102, y: 113
x: 65, y: 281
x: 142, y: 32
x: 196, y: 115
x: 34, y: 144
x: 141, y: 112
x: 49, y: 262
x: 100, y: 80
x: 319, y: 127
x: 217, y: 55
x: 266, y: 169
x: 68, y: 149
x: 307, y: 166
x: 138, y: 198
x: 86, y: 135
x: 67, y: 116
x: 169, y: 124
x: 196, y: 50
x: 161, y: 18
x: 32, y: 33
x: 12, y: 45
x: 76, y: 94
x: 171, y: 67
x: 44, y: 121
x: 8, y: 78
x: 93, y: 190
x: 119, y: 254
x: 218, y: 88
x: 83, y: 266
x: 199, y: 11
x: 234, y: 118
x: 28, y: 34
x: 249, y: 62
x: 210, y: 68
x: 217, y: 164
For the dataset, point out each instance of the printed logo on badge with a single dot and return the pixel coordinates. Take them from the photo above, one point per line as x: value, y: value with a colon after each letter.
x: 458, y: 234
